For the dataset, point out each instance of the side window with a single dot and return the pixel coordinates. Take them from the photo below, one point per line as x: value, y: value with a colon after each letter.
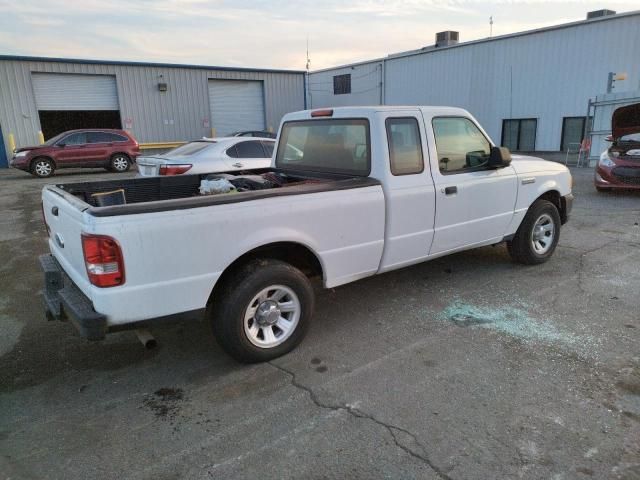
x: 460, y: 144
x: 405, y: 147
x: 231, y: 152
x: 268, y: 148
x: 249, y: 150
x: 99, y: 137
x: 75, y: 139
x: 117, y: 138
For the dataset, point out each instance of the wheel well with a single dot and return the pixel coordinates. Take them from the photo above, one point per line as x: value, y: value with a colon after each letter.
x: 120, y: 153
x: 292, y: 253
x: 554, y: 197
x: 33, y: 160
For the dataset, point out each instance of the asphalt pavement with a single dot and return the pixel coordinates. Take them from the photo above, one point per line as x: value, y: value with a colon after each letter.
x: 466, y: 367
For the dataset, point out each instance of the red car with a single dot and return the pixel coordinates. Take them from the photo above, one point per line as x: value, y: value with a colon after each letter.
x: 619, y: 165
x: 114, y: 150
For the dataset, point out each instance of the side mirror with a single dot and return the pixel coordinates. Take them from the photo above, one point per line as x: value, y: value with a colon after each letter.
x: 608, y: 138
x: 499, y: 157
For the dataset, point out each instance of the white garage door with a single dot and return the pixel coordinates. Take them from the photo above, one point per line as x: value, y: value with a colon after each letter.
x: 63, y: 91
x: 236, y: 105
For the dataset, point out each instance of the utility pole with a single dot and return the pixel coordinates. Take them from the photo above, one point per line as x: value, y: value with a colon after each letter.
x: 490, y: 26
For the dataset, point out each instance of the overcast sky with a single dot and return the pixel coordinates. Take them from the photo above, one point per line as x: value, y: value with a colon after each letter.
x: 264, y: 33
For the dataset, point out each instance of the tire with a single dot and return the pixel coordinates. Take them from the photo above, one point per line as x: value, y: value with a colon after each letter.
x: 42, y: 167
x: 249, y: 303
x: 538, y: 234
x: 119, y: 163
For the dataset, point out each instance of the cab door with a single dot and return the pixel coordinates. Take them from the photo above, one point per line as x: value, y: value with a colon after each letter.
x: 474, y: 203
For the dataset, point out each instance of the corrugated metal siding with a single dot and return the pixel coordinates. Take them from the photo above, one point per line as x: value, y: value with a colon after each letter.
x: 236, y: 105
x: 63, y: 91
x: 366, y: 84
x: 547, y: 75
x: 181, y: 113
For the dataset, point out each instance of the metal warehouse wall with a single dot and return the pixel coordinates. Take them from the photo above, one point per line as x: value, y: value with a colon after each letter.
x: 366, y: 86
x: 546, y: 75
x: 186, y: 102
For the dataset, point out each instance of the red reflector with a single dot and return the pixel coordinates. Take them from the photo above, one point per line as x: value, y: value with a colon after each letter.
x: 327, y: 112
x: 169, y: 170
x: 103, y: 259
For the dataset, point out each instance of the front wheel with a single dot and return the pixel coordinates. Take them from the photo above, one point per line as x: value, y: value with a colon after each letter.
x: 263, y: 311
x: 538, y: 234
x: 119, y: 163
x: 42, y: 167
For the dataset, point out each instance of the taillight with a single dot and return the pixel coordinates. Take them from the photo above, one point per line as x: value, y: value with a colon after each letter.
x: 103, y: 259
x: 174, y: 169
x: 44, y: 220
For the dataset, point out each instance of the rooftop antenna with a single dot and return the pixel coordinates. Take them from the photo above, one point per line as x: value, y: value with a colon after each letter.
x: 308, y: 59
x: 490, y: 26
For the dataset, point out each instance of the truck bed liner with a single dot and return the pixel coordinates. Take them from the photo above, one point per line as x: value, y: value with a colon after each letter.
x: 157, y: 194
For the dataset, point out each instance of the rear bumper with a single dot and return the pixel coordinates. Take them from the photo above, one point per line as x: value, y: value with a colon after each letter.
x: 63, y: 300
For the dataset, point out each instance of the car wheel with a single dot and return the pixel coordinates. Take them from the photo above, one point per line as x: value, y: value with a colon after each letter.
x: 120, y: 163
x: 537, y: 237
x: 42, y: 167
x: 263, y: 311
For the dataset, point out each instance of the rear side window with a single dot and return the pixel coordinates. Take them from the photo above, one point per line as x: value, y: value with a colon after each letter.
x: 405, y: 147
x: 326, y: 145
x: 105, y: 137
x: 460, y: 144
x: 187, y: 149
x: 252, y: 149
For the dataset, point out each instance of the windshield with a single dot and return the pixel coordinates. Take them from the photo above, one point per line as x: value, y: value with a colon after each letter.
x: 187, y: 149
x: 328, y: 145
x: 54, y: 140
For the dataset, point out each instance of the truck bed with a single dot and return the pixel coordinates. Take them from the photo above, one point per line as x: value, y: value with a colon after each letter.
x: 155, y: 194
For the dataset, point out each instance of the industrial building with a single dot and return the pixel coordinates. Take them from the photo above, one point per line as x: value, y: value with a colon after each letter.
x: 156, y: 102
x: 530, y: 90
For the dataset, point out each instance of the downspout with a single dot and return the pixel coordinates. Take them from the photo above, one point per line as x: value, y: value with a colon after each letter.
x: 383, y: 83
x: 304, y: 88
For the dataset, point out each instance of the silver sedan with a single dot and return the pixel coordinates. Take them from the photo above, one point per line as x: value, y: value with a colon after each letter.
x: 210, y: 155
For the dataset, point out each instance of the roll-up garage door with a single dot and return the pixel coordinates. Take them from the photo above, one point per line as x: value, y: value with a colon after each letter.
x: 236, y: 105
x: 63, y: 91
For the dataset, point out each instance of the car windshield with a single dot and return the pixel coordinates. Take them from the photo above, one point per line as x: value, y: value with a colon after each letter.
x: 328, y: 145
x: 54, y: 140
x: 187, y: 149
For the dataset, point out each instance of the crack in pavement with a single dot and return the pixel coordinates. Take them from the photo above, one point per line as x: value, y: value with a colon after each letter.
x: 581, y: 264
x: 393, y: 430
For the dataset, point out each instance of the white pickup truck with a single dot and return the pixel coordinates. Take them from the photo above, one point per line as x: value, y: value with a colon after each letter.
x: 352, y: 192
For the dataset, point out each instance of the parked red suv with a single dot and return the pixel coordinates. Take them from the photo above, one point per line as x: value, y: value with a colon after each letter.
x: 114, y: 150
x: 619, y: 165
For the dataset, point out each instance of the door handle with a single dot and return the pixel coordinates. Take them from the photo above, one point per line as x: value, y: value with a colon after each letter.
x: 237, y: 165
x: 450, y: 190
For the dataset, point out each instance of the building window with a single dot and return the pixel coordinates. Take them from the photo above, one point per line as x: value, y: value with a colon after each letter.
x: 342, y: 84
x: 405, y: 146
x: 572, y: 133
x: 519, y: 134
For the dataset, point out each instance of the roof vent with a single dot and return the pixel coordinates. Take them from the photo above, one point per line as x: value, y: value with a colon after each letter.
x: 445, y: 39
x: 600, y: 13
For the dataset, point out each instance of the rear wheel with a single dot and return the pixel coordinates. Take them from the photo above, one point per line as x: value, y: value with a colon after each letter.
x: 263, y: 311
x: 538, y: 234
x: 42, y: 167
x: 119, y: 163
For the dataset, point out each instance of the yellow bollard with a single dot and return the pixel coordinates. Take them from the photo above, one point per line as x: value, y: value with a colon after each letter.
x: 213, y: 132
x: 40, y: 137
x: 12, y: 142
